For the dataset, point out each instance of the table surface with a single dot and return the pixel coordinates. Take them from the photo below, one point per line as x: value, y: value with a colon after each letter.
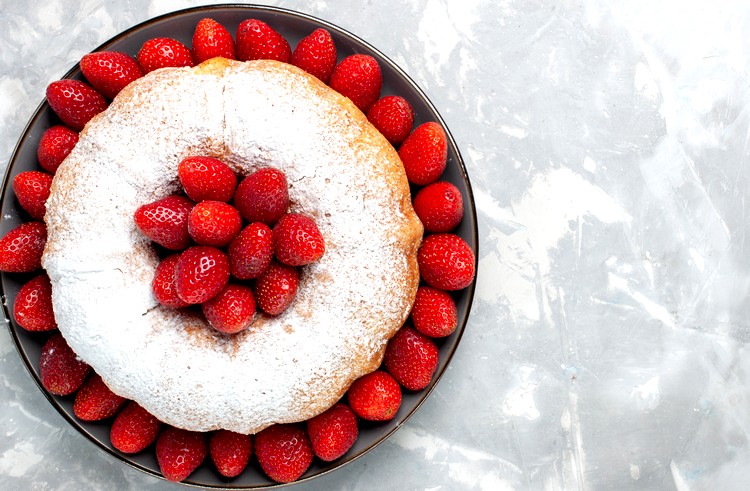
x: 607, y: 146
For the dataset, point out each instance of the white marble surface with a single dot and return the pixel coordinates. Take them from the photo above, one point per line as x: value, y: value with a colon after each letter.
x: 607, y: 143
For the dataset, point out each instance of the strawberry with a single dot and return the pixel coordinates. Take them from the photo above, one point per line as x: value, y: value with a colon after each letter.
x: 207, y: 178
x: 163, y: 284
x: 251, y: 251
x: 333, y: 432
x: 230, y: 452
x: 32, y: 190
x: 393, y: 116
x: 201, y: 273
x: 434, y: 312
x: 75, y: 102
x: 439, y: 206
x: 163, y: 52
x: 232, y: 310
x: 297, y: 240
x: 276, y: 288
x: 179, y: 452
x: 54, y: 145
x: 60, y: 369
x: 165, y: 221
x: 32, y: 308
x: 424, y: 153
x: 446, y: 262
x: 214, y: 223
x: 256, y: 40
x: 133, y: 429
x: 284, y: 452
x: 95, y: 401
x: 110, y: 71
x: 412, y: 358
x: 210, y: 40
x: 263, y: 196
x: 21, y: 248
x: 358, y: 77
x: 375, y: 396
x: 316, y: 54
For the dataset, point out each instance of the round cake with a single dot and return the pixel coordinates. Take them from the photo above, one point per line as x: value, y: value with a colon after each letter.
x: 342, y: 173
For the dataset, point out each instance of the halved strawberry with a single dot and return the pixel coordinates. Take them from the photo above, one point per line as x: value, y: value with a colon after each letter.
x: 32, y: 190
x: 230, y: 452
x: 201, y: 273
x: 60, y: 369
x: 163, y: 52
x: 110, y: 71
x: 179, y: 452
x: 206, y: 178
x: 297, y: 240
x: 214, y: 223
x: 446, y: 262
x: 424, y: 153
x: 251, y: 251
x: 164, y: 283
x: 210, y: 40
x: 133, y: 429
x: 276, y: 288
x: 165, y: 221
x: 412, y: 358
x: 439, y: 206
x: 54, y: 145
x: 32, y: 308
x: 375, y: 396
x: 333, y: 432
x: 434, y: 312
x: 393, y: 116
x: 75, y: 102
x: 284, y: 452
x: 316, y: 54
x: 263, y: 196
x: 22, y: 247
x: 232, y: 310
x: 359, y: 78
x: 256, y: 40
x: 95, y: 401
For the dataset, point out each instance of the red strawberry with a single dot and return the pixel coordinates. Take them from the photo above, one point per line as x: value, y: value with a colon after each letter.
x: 201, y: 273
x: 358, y: 77
x: 393, y: 116
x: 276, y: 288
x: 375, y: 396
x: 263, y: 196
x: 316, y: 54
x: 333, y: 432
x: 60, y: 369
x: 424, y: 153
x: 434, y: 312
x: 21, y: 248
x: 179, y: 452
x: 54, y: 145
x: 412, y: 358
x: 163, y: 284
x: 207, y: 178
x: 214, y: 223
x: 256, y: 40
x: 297, y: 240
x: 230, y: 452
x: 110, y: 71
x: 446, y: 262
x: 133, y: 429
x: 284, y: 452
x: 439, y: 206
x: 232, y: 310
x: 251, y: 251
x: 95, y: 401
x: 32, y: 308
x: 163, y: 52
x: 32, y: 190
x: 210, y: 40
x: 75, y: 102
x: 165, y: 221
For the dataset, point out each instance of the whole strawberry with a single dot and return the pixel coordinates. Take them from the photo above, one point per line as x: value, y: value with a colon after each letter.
x: 165, y: 221
x: 276, y: 288
x: 210, y: 40
x: 32, y: 308
x: 333, y: 432
x: 60, y: 369
x: 163, y: 52
x: 133, y: 429
x: 201, y: 273
x: 393, y: 116
x: 22, y: 247
x: 230, y: 452
x: 284, y: 452
x: 446, y: 262
x: 424, y: 153
x: 32, y: 189
x: 412, y: 358
x: 110, y: 71
x: 232, y: 310
x: 439, y: 206
x: 54, y: 145
x: 434, y: 312
x: 75, y: 102
x: 179, y: 452
x: 164, y: 284
x: 251, y: 251
x: 95, y: 401
x: 214, y: 223
x: 375, y: 396
x: 359, y: 78
x: 263, y: 196
x: 207, y: 178
x: 297, y: 240
x: 316, y: 54
x: 256, y: 40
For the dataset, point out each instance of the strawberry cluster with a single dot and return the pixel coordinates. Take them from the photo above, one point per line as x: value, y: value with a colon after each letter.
x: 231, y: 246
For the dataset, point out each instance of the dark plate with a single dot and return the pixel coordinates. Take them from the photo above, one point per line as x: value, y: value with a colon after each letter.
x: 180, y: 25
